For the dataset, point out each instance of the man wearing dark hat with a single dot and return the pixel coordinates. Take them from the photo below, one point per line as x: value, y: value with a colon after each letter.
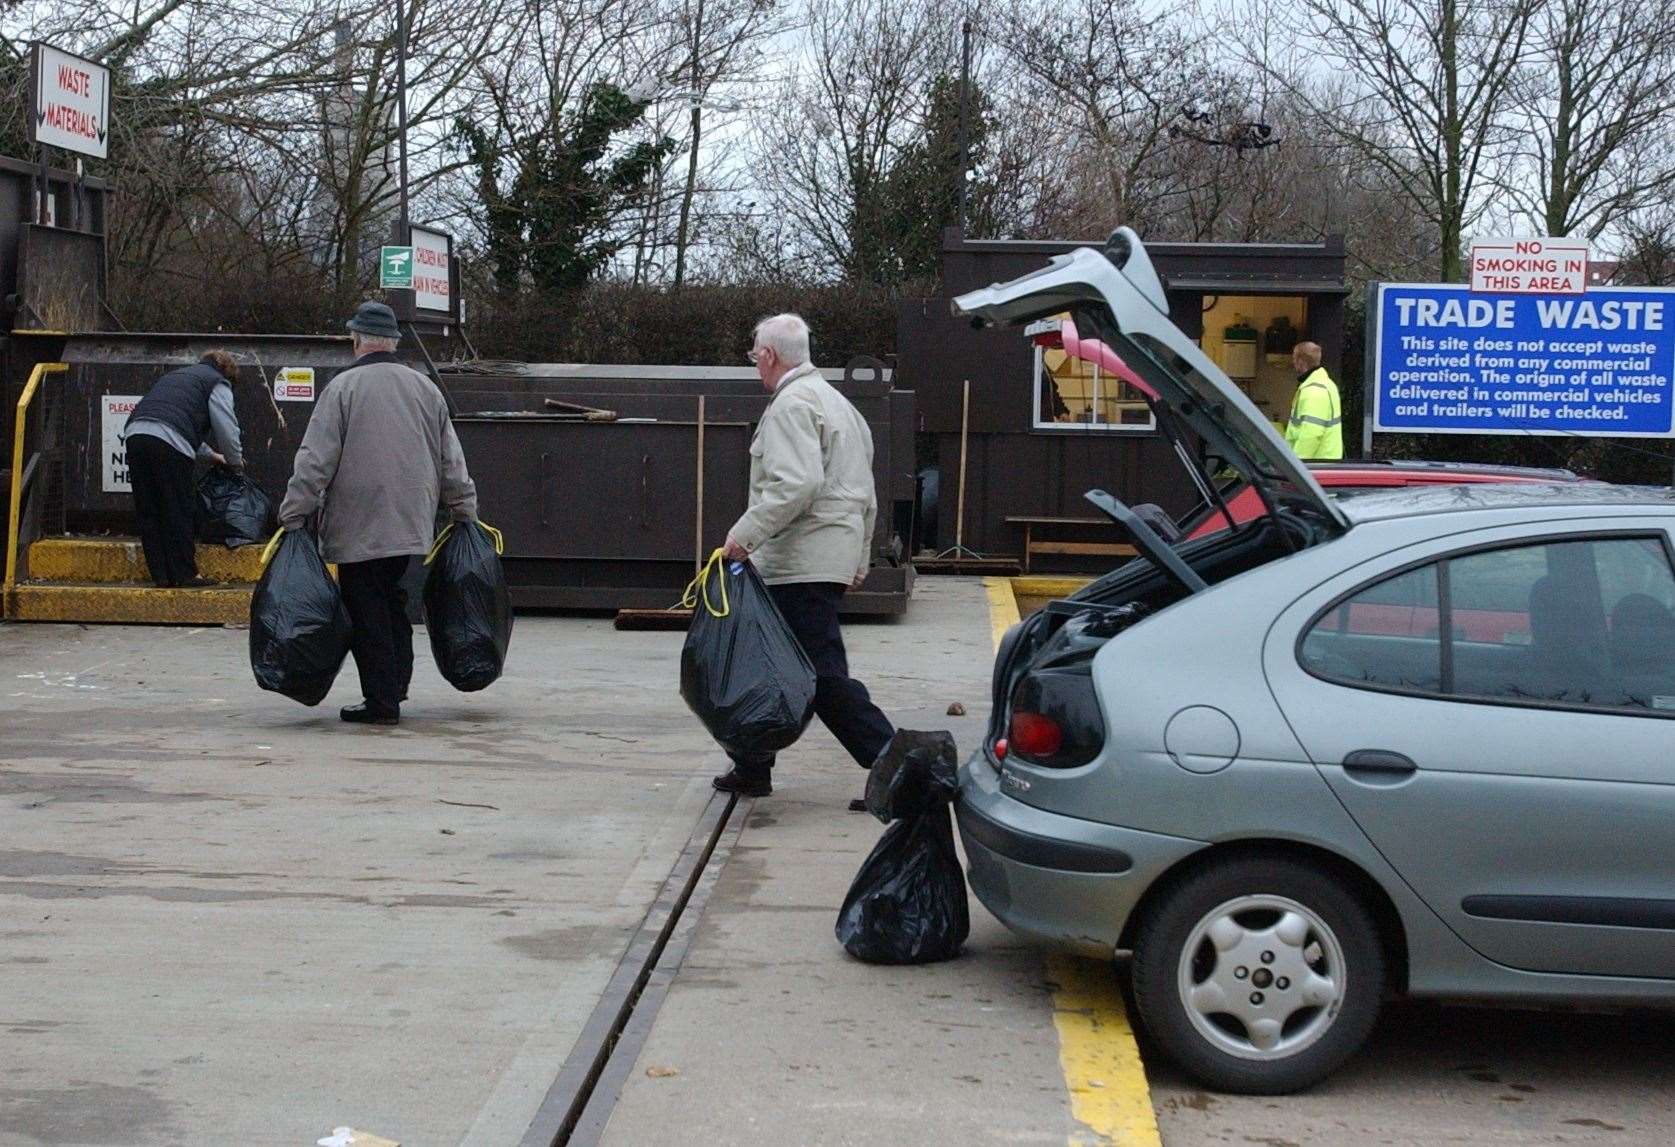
x: 380, y: 454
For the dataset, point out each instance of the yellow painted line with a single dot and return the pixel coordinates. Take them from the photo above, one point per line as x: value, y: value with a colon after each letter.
x: 1109, y: 1096
x: 1048, y: 586
x: 1003, y: 607
x: 1099, y: 1058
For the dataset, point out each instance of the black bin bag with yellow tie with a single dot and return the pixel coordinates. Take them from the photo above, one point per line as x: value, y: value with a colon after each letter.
x: 741, y: 670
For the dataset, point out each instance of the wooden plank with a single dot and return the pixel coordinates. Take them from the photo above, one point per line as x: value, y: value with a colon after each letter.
x: 1032, y: 521
x: 1082, y: 548
x: 998, y: 566
x: 654, y: 619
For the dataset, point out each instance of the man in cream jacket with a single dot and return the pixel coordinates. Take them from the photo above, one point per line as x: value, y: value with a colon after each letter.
x: 808, y: 532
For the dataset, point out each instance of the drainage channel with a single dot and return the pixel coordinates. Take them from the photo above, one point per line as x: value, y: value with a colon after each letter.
x: 581, y: 1098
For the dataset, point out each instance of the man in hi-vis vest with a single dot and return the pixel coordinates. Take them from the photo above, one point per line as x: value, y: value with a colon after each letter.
x: 1316, y: 426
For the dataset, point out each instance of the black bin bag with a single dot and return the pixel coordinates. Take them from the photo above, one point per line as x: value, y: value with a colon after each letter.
x: 741, y: 670
x: 232, y: 510
x: 907, y: 904
x: 468, y: 609
x: 299, y: 627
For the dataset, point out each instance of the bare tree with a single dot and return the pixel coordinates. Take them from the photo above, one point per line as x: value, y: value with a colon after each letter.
x: 1420, y: 90
x: 1106, y: 79
x: 1596, y: 109
x: 849, y: 108
x: 719, y: 35
x: 241, y: 117
x: 1648, y: 249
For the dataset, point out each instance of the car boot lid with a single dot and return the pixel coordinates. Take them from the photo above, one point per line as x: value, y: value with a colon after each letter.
x: 1118, y: 294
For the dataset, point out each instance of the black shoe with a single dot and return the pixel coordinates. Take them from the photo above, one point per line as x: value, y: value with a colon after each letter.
x: 367, y: 713
x: 744, y: 784
x: 195, y: 583
x: 859, y: 804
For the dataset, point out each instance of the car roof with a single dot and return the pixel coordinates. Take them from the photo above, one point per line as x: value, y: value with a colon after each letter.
x: 1429, y: 467
x: 1407, y: 501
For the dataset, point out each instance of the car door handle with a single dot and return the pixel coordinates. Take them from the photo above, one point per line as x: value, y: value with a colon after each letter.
x: 1378, y: 765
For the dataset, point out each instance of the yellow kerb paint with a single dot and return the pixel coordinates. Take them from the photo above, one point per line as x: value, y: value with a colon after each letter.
x: 1097, y: 1052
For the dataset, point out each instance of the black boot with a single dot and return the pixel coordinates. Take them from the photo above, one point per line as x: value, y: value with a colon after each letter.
x: 745, y: 782
x: 368, y: 713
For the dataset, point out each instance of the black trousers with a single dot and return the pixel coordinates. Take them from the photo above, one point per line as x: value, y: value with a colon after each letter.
x: 383, y: 637
x: 841, y: 702
x: 166, y: 504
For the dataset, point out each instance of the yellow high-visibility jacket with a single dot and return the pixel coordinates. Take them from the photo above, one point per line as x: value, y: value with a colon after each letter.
x: 1316, y: 426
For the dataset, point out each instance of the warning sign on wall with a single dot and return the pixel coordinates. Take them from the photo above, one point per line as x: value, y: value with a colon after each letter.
x: 113, y: 420
x: 294, y: 384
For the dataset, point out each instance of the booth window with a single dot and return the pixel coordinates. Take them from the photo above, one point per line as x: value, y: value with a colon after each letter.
x: 1073, y: 394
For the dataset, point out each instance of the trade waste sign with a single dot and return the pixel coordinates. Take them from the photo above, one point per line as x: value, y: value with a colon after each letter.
x: 1448, y: 361
x: 71, y: 102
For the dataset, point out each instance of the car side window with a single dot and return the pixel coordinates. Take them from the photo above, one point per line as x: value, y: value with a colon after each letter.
x: 1587, y: 624
x: 1387, y: 635
x: 1527, y: 625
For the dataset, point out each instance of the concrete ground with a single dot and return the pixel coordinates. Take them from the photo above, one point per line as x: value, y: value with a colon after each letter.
x: 226, y: 918
x: 1435, y: 1074
x: 772, y: 1034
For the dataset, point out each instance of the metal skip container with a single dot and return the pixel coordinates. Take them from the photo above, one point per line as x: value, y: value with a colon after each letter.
x: 611, y: 482
x: 605, y: 510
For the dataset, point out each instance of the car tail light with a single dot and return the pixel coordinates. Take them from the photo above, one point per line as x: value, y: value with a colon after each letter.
x: 1035, y: 734
x: 1054, y: 718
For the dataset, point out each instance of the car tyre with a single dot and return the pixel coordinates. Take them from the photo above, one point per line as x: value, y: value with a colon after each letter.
x: 1259, y: 975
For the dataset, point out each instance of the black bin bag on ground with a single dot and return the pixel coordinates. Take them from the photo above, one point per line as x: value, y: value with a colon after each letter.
x: 299, y: 627
x: 907, y: 904
x: 741, y: 670
x: 232, y: 510
x: 468, y: 609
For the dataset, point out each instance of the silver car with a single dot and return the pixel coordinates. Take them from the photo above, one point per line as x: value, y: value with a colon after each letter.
x: 1416, y: 742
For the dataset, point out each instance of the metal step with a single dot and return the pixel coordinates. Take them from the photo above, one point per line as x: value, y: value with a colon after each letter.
x: 120, y: 561
x: 131, y: 604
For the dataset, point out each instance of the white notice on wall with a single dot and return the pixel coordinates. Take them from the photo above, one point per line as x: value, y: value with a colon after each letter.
x: 432, y: 275
x: 294, y: 384
x: 113, y: 421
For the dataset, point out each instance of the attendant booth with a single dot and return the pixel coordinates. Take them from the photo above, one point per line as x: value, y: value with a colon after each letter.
x: 1032, y: 428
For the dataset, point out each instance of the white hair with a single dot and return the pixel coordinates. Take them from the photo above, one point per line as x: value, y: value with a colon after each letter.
x: 786, y: 335
x: 371, y: 344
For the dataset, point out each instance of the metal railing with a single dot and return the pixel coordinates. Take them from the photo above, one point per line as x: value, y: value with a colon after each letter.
x: 21, y: 477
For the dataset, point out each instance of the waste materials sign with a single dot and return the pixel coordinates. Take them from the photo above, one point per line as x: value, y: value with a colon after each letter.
x: 395, y: 268
x: 113, y: 423
x: 72, y: 100
x: 1447, y: 361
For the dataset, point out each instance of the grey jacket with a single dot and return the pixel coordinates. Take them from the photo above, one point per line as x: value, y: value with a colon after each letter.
x: 812, y: 505
x: 379, y: 455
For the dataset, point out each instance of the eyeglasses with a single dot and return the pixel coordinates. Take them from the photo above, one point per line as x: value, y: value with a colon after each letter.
x: 754, y: 354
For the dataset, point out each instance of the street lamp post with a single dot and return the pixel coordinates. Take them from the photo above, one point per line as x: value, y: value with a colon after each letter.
x: 401, y: 111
